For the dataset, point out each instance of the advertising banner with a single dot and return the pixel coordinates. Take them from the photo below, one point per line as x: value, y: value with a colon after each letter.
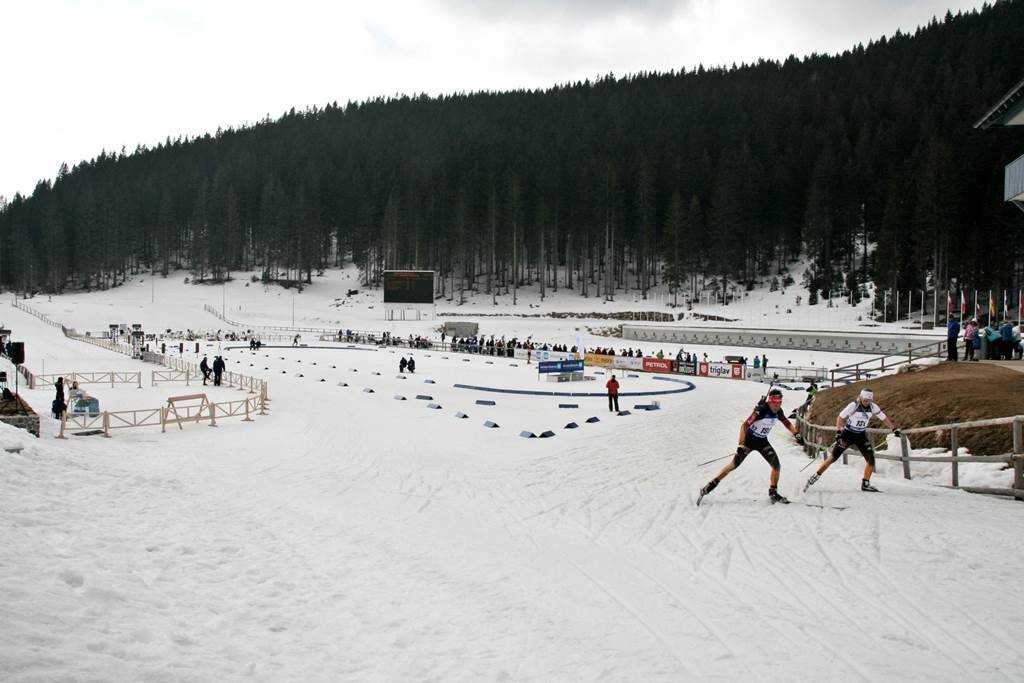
x: 726, y: 370
x: 537, y: 355
x: 688, y: 368
x: 560, y: 366
x: 657, y: 365
x: 628, y: 363
x: 599, y: 360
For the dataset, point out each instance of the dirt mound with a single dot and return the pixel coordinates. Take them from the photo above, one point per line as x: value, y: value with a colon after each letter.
x: 937, y: 395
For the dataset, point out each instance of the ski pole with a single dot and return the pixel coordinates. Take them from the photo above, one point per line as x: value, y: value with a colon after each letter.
x: 716, y: 460
x: 809, y: 463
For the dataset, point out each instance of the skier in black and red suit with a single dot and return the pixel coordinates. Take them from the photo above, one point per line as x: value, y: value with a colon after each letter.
x: 754, y: 437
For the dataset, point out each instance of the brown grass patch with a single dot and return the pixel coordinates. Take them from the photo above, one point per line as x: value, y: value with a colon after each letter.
x: 939, y: 395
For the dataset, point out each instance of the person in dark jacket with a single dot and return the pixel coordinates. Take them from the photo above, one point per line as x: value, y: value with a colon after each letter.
x: 952, y: 336
x: 59, y: 404
x: 218, y: 370
x: 1006, y: 337
x: 401, y: 364
x: 412, y: 364
x: 204, y: 367
x: 613, y: 394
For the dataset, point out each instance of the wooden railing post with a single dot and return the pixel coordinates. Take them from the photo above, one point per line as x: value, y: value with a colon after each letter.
x: 905, y: 452
x: 954, y: 446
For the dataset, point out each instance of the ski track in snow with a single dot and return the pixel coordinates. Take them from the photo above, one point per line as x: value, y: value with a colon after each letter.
x: 348, y: 536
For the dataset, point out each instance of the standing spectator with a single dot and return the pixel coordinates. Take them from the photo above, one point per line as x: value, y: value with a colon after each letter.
x: 59, y: 404
x: 412, y: 364
x: 218, y: 370
x: 970, y: 339
x: 401, y: 365
x: 952, y: 336
x: 613, y: 394
x: 204, y: 367
x: 1006, y: 339
x: 757, y: 362
x: 994, y: 341
x: 812, y: 391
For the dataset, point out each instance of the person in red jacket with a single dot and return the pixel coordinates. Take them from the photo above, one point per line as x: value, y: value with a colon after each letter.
x: 613, y: 394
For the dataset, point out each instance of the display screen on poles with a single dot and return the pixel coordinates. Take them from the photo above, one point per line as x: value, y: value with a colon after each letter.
x: 408, y: 286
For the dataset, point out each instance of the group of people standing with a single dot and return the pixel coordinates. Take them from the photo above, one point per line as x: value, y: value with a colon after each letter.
x: 409, y: 365
x: 217, y: 369
x: 992, y: 342
x: 851, y: 431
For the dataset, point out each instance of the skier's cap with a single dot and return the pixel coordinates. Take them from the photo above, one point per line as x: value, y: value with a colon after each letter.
x: 775, y: 395
x: 866, y: 395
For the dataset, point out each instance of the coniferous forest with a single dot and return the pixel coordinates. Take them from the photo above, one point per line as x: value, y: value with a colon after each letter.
x: 867, y: 162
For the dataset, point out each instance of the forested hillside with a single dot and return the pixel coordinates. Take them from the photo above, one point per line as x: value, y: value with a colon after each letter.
x: 719, y: 174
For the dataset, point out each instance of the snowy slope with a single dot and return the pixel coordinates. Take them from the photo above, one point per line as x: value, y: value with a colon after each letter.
x: 351, y: 536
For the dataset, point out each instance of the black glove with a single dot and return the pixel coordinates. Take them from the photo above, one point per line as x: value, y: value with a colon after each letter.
x: 800, y: 439
x: 741, y: 449
x: 839, y: 437
x: 896, y: 433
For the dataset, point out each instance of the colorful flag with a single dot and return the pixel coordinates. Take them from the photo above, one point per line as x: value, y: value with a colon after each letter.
x: 1006, y: 306
x: 991, y: 308
x: 963, y: 304
x: 949, y: 304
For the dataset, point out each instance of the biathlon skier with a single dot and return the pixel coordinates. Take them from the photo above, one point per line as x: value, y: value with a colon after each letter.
x: 851, y: 425
x: 754, y: 437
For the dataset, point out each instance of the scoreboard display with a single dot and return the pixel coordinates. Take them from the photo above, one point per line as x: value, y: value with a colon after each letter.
x: 408, y: 286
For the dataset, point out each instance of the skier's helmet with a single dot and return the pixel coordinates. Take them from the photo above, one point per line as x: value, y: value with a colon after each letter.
x: 775, y: 397
x: 866, y: 396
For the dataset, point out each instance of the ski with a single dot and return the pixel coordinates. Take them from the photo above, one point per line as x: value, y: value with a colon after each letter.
x: 823, y: 507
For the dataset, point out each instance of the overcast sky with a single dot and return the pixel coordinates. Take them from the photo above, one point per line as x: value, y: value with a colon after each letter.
x: 87, y: 75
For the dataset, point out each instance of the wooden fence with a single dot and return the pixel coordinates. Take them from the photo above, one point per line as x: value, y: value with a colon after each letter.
x: 104, y: 421
x: 112, y: 377
x: 821, y: 437
x: 33, y: 312
x: 256, y: 403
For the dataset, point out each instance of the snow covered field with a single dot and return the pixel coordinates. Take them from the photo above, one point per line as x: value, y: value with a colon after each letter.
x: 352, y: 536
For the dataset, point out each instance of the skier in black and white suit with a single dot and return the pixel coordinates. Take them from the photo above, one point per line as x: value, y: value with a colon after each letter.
x: 754, y: 437
x: 851, y: 425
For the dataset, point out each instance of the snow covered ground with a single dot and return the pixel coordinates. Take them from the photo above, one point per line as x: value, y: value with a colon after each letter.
x: 352, y: 536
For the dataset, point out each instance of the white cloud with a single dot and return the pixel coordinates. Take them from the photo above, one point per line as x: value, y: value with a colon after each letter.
x: 86, y: 76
